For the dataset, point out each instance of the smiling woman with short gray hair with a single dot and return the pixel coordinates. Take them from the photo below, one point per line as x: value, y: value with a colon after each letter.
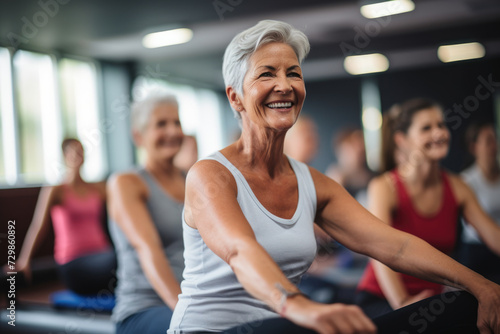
x: 249, y: 213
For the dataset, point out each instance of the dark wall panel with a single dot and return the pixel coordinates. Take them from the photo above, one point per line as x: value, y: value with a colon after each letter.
x: 333, y: 105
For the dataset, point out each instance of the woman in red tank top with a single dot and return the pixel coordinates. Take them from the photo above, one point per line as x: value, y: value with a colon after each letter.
x: 81, y: 247
x: 417, y: 196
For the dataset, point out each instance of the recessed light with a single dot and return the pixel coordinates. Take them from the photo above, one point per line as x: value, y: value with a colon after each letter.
x: 457, y: 52
x: 167, y: 37
x: 363, y: 64
x: 386, y: 8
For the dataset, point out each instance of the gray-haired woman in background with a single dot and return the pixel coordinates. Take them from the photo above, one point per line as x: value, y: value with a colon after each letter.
x: 146, y: 207
x: 249, y: 213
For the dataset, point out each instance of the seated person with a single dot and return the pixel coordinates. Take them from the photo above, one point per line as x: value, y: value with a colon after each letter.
x: 483, y: 176
x: 249, y: 213
x: 145, y: 206
x: 417, y: 196
x: 82, y: 250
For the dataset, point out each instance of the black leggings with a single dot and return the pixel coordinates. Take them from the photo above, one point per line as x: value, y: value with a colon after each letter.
x: 90, y: 274
x: 481, y: 259
x: 452, y: 312
x: 372, y: 305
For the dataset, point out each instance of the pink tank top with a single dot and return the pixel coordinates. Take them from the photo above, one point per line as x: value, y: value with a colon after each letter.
x: 439, y: 230
x: 78, y: 226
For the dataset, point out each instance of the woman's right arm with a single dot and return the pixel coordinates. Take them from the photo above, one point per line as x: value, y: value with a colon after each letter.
x: 37, y: 229
x: 127, y: 196
x: 212, y: 208
x: 381, y: 201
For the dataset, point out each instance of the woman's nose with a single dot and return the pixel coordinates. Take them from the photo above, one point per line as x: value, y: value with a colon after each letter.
x: 283, y: 85
x: 439, y: 132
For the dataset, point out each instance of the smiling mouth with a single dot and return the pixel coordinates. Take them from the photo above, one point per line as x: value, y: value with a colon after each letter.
x: 171, y: 143
x: 438, y: 143
x: 279, y: 105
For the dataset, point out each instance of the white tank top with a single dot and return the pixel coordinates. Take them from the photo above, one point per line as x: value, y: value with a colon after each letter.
x: 212, y: 299
x: 487, y: 194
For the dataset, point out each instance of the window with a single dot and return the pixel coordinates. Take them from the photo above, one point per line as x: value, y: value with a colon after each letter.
x: 39, y: 125
x: 8, y: 165
x: 80, y: 113
x: 43, y: 100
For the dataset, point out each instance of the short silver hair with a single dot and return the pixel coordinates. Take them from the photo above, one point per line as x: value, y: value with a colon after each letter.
x: 246, y: 43
x: 142, y: 109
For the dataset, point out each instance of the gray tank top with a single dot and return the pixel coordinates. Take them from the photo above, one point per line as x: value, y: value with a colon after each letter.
x: 212, y: 299
x: 134, y: 293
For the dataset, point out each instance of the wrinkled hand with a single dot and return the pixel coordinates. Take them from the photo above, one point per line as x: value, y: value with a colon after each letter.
x: 328, y: 319
x: 488, y: 318
x: 416, y: 298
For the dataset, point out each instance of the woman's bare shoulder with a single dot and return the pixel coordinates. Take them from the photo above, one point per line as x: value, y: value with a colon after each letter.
x: 126, y: 181
x: 99, y: 186
x: 383, y: 189
x: 211, y: 173
x: 383, y: 182
x: 53, y: 193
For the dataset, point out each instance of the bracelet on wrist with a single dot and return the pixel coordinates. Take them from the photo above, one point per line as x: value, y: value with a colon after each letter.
x: 285, y: 294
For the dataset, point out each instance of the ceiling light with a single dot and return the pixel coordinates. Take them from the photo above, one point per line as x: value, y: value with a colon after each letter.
x: 456, y: 52
x: 371, y: 63
x: 386, y: 8
x: 168, y: 37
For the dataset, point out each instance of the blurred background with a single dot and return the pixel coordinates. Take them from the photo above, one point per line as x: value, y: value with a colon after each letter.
x: 71, y: 68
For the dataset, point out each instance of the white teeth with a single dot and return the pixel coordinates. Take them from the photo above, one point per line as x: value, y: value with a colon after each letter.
x: 280, y: 105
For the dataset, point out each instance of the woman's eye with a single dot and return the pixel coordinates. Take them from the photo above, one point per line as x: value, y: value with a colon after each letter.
x: 426, y: 128
x: 294, y: 74
x: 266, y: 74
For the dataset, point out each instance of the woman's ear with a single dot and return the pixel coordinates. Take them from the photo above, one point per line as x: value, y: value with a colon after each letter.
x: 234, y: 98
x: 136, y: 136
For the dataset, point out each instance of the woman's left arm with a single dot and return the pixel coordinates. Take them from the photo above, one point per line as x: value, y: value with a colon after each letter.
x: 344, y: 219
x: 474, y: 214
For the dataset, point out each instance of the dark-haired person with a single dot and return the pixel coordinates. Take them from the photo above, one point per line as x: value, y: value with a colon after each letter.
x: 249, y: 213
x: 417, y: 196
x: 483, y: 177
x: 82, y: 249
